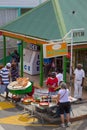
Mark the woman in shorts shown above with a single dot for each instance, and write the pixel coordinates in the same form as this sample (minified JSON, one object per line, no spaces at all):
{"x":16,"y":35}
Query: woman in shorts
{"x":64,"y":104}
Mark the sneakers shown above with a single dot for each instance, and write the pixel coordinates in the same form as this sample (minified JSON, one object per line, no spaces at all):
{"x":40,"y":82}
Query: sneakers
{"x":80,"y":99}
{"x":63,"y":125}
{"x":68,"y":124}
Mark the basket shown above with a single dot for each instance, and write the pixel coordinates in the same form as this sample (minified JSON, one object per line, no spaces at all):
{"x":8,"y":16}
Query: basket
{"x":21,"y":91}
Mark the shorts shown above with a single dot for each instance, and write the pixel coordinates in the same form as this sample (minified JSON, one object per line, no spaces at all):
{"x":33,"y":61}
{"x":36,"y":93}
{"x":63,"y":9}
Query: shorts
{"x":3,"y":88}
{"x":64,"y":107}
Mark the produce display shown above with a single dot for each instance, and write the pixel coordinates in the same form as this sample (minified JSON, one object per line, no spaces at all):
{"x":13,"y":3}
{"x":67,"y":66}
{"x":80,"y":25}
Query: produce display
{"x":19,"y":83}
{"x":27,"y":100}
{"x":44,"y":104}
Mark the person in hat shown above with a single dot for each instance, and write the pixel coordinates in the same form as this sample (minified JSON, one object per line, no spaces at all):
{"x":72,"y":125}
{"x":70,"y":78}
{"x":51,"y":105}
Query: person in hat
{"x":5,"y":77}
{"x":79,"y":76}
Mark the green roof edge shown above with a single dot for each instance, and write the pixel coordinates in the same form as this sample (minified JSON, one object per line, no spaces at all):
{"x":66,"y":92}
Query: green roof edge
{"x":59,"y":17}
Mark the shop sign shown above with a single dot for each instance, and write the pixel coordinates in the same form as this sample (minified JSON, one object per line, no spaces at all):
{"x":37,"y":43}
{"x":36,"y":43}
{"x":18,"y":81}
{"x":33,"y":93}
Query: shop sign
{"x":55,"y":49}
{"x":78,"y":34}
{"x":33,"y":47}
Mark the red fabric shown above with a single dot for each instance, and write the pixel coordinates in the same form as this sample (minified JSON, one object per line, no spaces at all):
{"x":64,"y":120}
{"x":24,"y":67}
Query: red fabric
{"x":68,"y":56}
{"x":31,"y":93}
{"x":50,"y":82}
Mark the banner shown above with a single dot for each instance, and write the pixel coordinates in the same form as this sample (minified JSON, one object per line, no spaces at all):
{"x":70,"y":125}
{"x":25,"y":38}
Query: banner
{"x":55,"y":49}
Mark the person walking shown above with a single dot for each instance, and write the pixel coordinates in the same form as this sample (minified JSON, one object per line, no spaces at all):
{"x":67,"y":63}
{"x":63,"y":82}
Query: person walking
{"x":5,"y":77}
{"x":64,"y":104}
{"x":79,"y":76}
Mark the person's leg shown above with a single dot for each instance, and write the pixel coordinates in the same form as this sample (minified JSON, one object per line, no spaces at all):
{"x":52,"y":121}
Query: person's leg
{"x":68,"y":117}
{"x":62,"y":120}
{"x":80,"y":92}
{"x":67,"y":111}
{"x":61,"y":109}
{"x":7,"y":91}
{"x":76,"y":90}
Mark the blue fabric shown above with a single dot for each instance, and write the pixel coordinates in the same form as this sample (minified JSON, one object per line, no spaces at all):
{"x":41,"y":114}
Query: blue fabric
{"x":2,"y":88}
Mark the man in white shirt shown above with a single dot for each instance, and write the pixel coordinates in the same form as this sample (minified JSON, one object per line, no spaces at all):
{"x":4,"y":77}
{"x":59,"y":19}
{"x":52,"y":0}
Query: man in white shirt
{"x":59,"y":76}
{"x":79,"y":76}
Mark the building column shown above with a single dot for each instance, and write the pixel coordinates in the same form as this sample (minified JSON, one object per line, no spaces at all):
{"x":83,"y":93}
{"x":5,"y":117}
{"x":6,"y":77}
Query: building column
{"x":41,"y":65}
{"x":64,"y":68}
{"x":21,"y":57}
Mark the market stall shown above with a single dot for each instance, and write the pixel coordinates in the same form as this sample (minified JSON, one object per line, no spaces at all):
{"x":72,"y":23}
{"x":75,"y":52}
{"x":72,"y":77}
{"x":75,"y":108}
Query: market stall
{"x":40,"y":107}
{"x":21,"y":86}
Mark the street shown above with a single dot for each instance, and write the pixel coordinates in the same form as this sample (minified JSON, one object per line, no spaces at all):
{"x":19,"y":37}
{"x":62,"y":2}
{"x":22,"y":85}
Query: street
{"x":79,"y":125}
{"x":11,"y":118}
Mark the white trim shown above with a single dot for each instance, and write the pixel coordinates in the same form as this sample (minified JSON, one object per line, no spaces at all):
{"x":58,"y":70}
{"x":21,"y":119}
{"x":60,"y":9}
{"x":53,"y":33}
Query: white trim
{"x":20,"y":3}
{"x":24,"y":36}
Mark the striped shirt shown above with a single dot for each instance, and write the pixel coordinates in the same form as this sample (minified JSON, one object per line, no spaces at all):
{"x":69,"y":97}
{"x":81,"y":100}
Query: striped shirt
{"x":4,"y":73}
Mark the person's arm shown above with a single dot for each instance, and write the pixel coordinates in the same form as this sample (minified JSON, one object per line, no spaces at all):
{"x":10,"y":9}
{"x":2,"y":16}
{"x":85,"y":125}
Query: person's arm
{"x":58,"y":97}
{"x":83,"y":78}
{"x":1,"y":77}
{"x":82,"y":82}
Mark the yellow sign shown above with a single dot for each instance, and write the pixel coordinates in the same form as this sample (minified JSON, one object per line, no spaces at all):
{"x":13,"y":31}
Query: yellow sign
{"x":55,"y":49}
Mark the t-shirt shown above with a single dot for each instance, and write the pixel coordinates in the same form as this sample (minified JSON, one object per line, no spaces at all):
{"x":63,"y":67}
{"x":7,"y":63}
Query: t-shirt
{"x":79,"y":74}
{"x":59,"y":77}
{"x":64,"y":94}
{"x":5,"y":75}
{"x":52,"y":81}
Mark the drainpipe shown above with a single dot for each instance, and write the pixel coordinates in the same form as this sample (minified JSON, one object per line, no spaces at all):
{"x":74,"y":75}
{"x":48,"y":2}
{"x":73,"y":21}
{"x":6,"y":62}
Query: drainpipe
{"x":64,"y":68}
{"x":21,"y":56}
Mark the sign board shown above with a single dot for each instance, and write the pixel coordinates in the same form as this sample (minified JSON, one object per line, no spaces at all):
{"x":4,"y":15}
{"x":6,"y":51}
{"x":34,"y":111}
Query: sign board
{"x":33,"y":47}
{"x":78,"y":34}
{"x":55,"y":49}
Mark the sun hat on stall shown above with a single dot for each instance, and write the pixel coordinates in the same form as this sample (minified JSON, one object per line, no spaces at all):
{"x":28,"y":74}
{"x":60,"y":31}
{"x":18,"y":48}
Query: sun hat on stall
{"x":8,"y":65}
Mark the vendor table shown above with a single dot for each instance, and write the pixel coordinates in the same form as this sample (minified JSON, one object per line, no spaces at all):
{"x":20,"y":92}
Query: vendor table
{"x":32,"y":108}
{"x":51,"y":106}
{"x":22,"y":90}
